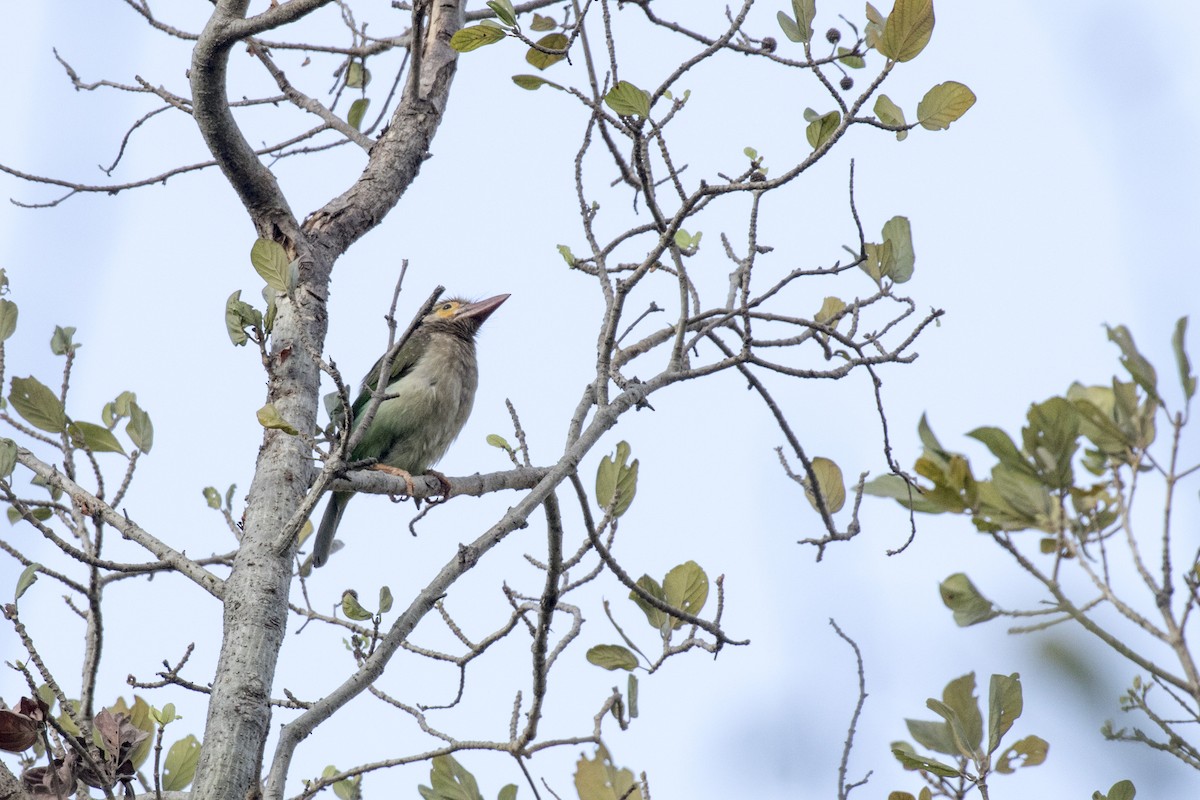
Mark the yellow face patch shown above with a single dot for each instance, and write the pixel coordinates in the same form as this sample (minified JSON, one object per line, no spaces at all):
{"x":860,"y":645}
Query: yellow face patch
{"x":447,"y":309}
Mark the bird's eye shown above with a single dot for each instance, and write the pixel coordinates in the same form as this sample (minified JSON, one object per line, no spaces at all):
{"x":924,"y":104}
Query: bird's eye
{"x":447,"y":306}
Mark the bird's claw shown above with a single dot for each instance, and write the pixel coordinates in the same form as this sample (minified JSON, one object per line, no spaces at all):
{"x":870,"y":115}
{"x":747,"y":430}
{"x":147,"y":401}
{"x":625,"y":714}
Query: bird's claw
{"x":409,"y":488}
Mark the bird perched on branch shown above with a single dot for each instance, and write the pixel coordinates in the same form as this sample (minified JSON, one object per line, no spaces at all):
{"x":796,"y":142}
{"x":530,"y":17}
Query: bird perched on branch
{"x":428,"y":398}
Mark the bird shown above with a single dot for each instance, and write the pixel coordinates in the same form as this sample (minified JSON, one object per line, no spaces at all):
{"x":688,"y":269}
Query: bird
{"x":428,"y":398}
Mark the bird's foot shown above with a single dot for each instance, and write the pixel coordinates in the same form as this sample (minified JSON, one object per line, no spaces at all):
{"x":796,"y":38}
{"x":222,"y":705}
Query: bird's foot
{"x":399,"y":473}
{"x":445,"y":484}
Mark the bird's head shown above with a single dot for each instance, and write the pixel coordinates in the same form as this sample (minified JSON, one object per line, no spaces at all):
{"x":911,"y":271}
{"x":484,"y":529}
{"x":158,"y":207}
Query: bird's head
{"x":461,"y":317}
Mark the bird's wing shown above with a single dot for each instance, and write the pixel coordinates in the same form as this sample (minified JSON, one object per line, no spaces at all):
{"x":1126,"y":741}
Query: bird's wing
{"x":402,"y":364}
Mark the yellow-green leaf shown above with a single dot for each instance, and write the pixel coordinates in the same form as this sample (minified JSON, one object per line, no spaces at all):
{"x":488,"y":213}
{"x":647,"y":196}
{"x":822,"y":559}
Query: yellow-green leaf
{"x":357,"y":76}
{"x":890,"y":114}
{"x":358,"y":109}
{"x":139,"y":428}
{"x":943,"y":104}
{"x":180,"y":766}
{"x":600,"y":779}
{"x":8,"y":457}
{"x":8,"y":319}
{"x":898,"y":233}
{"x":829,"y":481}
{"x":850,"y":59}
{"x":686,"y":588}
{"x":612,"y":657}
{"x":873,"y":32}
{"x":37,"y":405}
{"x":533,"y":82}
{"x":551,"y":41}
{"x":541,"y":23}
{"x":27,"y":578}
{"x":830,"y":310}
{"x":907,"y":29}
{"x":628,"y":100}
{"x":805,"y":11}
{"x":1028,"y":752}
{"x":352,"y":608}
{"x":271,"y":262}
{"x":467,"y":39}
{"x":269,"y":417}
{"x":96,"y":438}
{"x":820,"y":129}
{"x":969,"y":606}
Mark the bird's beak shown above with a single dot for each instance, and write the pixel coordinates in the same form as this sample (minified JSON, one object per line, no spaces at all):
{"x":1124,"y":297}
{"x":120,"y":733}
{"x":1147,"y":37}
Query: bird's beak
{"x":481,"y":310}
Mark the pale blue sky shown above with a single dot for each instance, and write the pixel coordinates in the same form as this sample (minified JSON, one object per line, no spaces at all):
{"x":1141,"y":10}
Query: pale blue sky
{"x":1065,"y":199}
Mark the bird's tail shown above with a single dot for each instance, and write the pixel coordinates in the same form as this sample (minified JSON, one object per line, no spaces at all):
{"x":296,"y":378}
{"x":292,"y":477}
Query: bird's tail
{"x":329,"y":525}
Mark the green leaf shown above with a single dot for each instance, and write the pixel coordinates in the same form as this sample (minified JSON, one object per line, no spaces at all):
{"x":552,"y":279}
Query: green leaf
{"x":551,"y":41}
{"x":509,"y":790}
{"x":450,"y":781}
{"x":820,"y":129}
{"x":897,"y":488}
{"x":269,"y":417}
{"x":357,"y":76}
{"x":8,"y":319}
{"x":912,"y":761}
{"x":541,"y":23}
{"x":873,"y":32}
{"x":62,"y":341}
{"x":8,"y":457}
{"x":659,"y":620}
{"x":890,"y":114}
{"x":616,"y":483}
{"x":270,"y":261}
{"x":805,"y":11}
{"x":1004,"y":707}
{"x":533,"y":83}
{"x":943,"y":104}
{"x":907,"y":29}
{"x":1028,"y":752}
{"x":967,"y":723}
{"x":140,"y":429}
{"x":37,"y":405}
{"x":240,"y":315}
{"x":830,"y":483}
{"x":968,"y":605}
{"x":1002,"y":447}
{"x":385,"y":599}
{"x":898,"y":232}
{"x":212,"y":497}
{"x":934,"y":735}
{"x":40,"y":513}
{"x":352,"y":608}
{"x":1121,"y":790}
{"x":789,"y":27}
{"x":612,"y":657}
{"x":849,"y":59}
{"x":180,"y":766}
{"x":567,"y":255}
{"x":686,"y":587}
{"x":1133,"y":361}
{"x":358,"y":109}
{"x":467,"y":39}
{"x":27,"y":578}
{"x":495,"y":440}
{"x":96,"y":438}
{"x":830,"y":311}
{"x":686,"y":241}
{"x":628,"y":100}
{"x":1186,"y":378}
{"x":600,"y":779}
{"x":504,"y":11}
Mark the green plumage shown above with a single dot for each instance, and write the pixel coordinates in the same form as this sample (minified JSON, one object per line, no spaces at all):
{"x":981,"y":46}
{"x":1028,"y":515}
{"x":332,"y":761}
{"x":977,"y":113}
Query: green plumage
{"x":429,"y":397}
